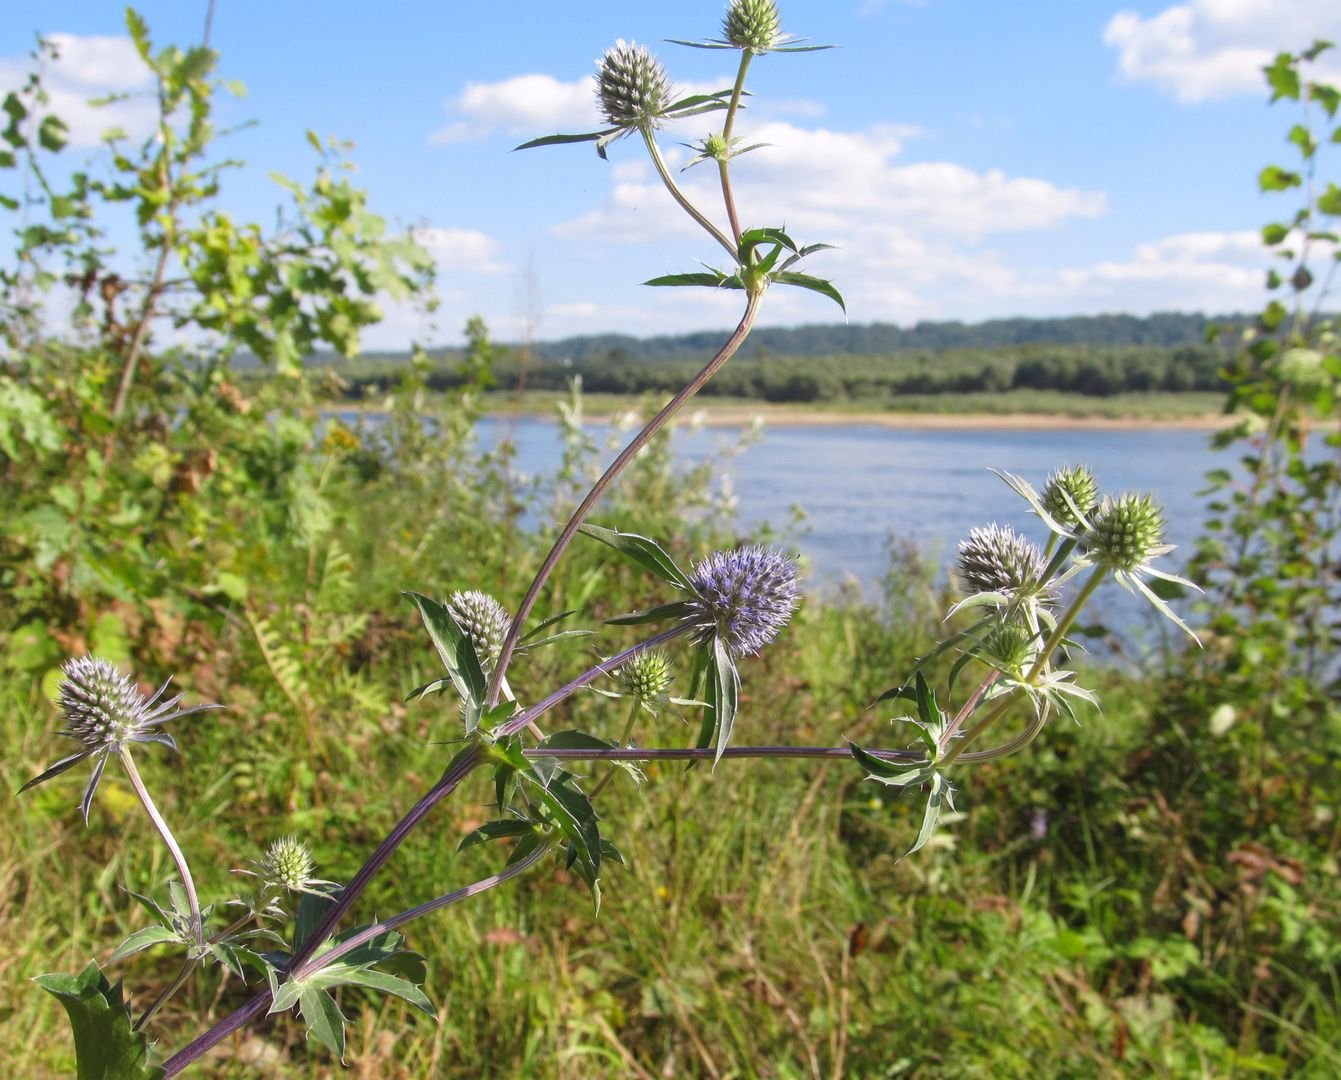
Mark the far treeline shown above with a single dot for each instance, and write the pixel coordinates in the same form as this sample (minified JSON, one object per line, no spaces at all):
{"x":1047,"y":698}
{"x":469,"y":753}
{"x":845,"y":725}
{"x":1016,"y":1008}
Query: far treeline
{"x":1096,"y":356}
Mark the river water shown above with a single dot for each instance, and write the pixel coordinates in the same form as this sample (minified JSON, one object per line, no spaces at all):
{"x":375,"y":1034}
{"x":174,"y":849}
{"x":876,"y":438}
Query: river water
{"x":859,"y":485}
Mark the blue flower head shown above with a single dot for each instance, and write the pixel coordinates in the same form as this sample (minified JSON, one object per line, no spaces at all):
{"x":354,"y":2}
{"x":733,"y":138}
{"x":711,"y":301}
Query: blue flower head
{"x":745,"y":597}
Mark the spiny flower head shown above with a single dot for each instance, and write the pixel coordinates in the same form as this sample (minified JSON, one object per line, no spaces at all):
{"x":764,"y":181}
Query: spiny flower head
{"x":1126,"y":532}
{"x":1075,"y":483}
{"x":288,"y":866}
{"x":631,"y":87}
{"x":647,"y":676}
{"x":104,"y":710}
{"x":752,"y":24}
{"x":484,"y":619}
{"x":745,"y":597}
{"x":997,"y":559}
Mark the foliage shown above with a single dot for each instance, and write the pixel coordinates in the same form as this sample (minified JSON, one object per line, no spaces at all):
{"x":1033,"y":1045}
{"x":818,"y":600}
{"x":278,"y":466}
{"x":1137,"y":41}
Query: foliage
{"x":196,"y":522}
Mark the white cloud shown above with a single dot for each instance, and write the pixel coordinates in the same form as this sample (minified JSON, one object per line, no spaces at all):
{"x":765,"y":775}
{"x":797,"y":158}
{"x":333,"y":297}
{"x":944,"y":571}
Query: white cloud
{"x":1211,"y":272}
{"x":91,"y":67}
{"x":533,"y":104}
{"x":1209,"y":49}
{"x":466,"y":251}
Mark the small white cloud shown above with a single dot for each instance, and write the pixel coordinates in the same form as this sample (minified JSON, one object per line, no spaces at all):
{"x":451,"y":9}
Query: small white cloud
{"x":1209,"y":49}
{"x":1206,"y":271}
{"x":533,"y":104}
{"x":466,"y":251}
{"x":90,"y":67}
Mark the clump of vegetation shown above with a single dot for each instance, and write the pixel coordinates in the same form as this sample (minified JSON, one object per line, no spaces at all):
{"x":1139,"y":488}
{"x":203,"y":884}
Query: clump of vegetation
{"x":1154,"y":891}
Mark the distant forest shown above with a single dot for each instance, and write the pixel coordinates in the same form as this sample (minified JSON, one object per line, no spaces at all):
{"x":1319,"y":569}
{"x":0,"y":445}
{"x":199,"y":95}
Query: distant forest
{"x":1095,"y":355}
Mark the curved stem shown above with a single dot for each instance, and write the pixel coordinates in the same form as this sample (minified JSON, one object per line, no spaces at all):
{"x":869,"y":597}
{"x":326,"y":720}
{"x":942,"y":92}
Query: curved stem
{"x":724,"y":165}
{"x":605,"y":667}
{"x":634,"y":710}
{"x":197,"y":928}
{"x":626,"y":455}
{"x":316,"y":963}
{"x":462,"y":767}
{"x":654,"y":753}
{"x":689,"y":208}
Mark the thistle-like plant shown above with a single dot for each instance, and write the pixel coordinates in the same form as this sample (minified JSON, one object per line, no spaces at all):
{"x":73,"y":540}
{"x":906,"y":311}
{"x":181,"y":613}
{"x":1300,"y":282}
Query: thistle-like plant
{"x":728,"y":607}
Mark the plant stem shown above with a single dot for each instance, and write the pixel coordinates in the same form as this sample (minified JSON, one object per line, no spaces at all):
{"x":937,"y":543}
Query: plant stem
{"x":1040,"y":663}
{"x":605,"y":667}
{"x":197,"y":928}
{"x":626,"y":455}
{"x":462,"y":767}
{"x":634,"y":710}
{"x":689,"y":208}
{"x":320,"y":961}
{"x":654,"y":753}
{"x":724,"y":165}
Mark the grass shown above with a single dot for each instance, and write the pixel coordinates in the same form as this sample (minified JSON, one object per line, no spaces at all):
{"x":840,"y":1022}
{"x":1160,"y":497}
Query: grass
{"x":1111,"y":904}
{"x":765,"y":926}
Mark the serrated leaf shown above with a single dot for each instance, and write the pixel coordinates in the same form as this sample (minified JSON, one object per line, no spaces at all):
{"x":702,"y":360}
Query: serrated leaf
{"x":814,"y":284}
{"x":496,"y":830}
{"x":143,"y":939}
{"x":386,"y":983}
{"x":879,"y":767}
{"x":572,"y":740}
{"x":714,"y":279}
{"x":324,"y":1020}
{"x":646,"y":553}
{"x":931,"y":816}
{"x":723,"y":694}
{"x":677,"y":610}
{"x":311,"y":910}
{"x":556,"y":140}
{"x":106,"y":1046}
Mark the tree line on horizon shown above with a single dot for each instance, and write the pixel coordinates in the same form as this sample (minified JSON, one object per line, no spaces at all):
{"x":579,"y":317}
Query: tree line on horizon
{"x":1097,"y":356}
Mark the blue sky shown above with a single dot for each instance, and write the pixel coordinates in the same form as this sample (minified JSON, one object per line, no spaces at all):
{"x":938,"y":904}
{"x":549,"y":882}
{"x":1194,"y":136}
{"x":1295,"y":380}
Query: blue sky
{"x":971,"y":160}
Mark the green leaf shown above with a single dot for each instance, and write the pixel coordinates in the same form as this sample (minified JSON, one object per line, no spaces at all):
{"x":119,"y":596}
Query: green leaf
{"x":1283,"y":77}
{"x":646,"y":553}
{"x":713,"y":279}
{"x":938,"y":796}
{"x":556,"y":140}
{"x":677,"y":610}
{"x":143,"y":939}
{"x":52,"y":133}
{"x":1274,"y":234}
{"x":814,"y":284}
{"x":106,"y":1047}
{"x":1329,"y":202}
{"x":878,"y":767}
{"x":723,"y":694}
{"x":572,"y":740}
{"x":458,"y":656}
{"x":311,"y":910}
{"x":1274,"y":178}
{"x":387,"y":983}
{"x":496,"y":830}
{"x":324,"y":1020}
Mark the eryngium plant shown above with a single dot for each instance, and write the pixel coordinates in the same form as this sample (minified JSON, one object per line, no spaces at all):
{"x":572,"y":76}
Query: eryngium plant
{"x":722,"y":612}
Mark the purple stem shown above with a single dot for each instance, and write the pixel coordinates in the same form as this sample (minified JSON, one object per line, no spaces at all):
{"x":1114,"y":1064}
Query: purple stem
{"x":607,"y":478}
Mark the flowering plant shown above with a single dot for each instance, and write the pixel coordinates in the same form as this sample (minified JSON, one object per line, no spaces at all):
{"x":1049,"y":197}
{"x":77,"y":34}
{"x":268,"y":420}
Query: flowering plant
{"x":1014,"y":625}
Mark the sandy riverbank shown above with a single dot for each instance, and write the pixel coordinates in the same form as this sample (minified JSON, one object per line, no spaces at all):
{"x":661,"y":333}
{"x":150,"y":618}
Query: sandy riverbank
{"x":783,"y":416}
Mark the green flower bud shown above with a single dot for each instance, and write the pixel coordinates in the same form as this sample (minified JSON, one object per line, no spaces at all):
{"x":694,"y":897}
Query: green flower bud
{"x":484,"y":619}
{"x":752,"y":24}
{"x":1127,"y":532}
{"x":631,"y":87}
{"x":288,"y":866}
{"x":647,"y":676}
{"x":1009,"y":647}
{"x":1075,"y":482}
